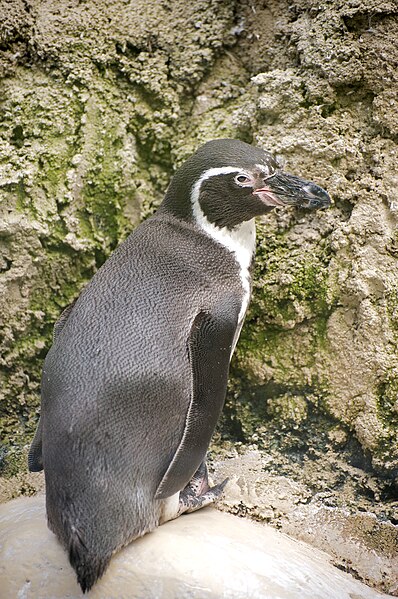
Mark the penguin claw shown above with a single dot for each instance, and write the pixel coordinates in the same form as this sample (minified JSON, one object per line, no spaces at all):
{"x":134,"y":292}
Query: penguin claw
{"x":198,"y":493}
{"x":199,"y":483}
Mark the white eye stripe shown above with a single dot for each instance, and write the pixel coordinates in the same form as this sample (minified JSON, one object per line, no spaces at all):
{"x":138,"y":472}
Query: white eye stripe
{"x":213,"y":172}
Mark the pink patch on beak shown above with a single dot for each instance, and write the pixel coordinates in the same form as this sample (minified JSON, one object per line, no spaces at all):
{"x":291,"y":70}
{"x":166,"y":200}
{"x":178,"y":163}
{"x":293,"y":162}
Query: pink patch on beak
{"x":267,"y":197}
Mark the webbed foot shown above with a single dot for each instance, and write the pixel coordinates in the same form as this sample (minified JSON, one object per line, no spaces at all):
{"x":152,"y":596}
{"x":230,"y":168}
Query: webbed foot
{"x":198,"y":493}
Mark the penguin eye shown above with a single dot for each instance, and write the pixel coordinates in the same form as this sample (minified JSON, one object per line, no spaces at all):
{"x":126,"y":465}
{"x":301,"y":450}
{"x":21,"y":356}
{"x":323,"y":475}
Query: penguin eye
{"x":242,"y":179}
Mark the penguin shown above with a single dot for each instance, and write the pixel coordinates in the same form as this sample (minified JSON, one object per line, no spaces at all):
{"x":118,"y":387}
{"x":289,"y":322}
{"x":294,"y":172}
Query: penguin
{"x":136,"y":378}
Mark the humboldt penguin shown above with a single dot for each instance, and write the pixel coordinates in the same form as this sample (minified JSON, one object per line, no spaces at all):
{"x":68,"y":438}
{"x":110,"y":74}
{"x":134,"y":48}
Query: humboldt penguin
{"x":135,"y":380}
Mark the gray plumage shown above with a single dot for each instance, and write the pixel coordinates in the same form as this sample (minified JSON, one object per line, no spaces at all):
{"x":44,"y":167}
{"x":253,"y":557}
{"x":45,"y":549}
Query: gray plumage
{"x":136,"y":377}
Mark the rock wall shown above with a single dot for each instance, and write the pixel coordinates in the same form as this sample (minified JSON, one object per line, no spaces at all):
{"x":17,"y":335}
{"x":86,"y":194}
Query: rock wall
{"x":100,"y":101}
{"x":323,"y":330}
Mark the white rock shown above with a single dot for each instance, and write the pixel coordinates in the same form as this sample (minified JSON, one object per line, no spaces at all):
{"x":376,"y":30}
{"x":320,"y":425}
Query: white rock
{"x":203,"y":555}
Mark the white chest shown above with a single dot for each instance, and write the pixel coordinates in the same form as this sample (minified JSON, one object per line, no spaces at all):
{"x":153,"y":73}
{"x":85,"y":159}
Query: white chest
{"x":241,"y":242}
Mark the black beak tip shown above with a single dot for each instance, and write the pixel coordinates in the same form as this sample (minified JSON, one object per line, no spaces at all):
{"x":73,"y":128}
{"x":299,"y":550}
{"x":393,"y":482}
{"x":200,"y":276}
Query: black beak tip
{"x":317,"y":197}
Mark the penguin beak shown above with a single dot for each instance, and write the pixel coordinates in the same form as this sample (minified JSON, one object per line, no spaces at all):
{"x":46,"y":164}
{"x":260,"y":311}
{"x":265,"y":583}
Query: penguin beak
{"x":282,"y":189}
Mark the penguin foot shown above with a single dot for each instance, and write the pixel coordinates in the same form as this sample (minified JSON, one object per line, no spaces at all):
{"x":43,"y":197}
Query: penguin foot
{"x":198,"y":493}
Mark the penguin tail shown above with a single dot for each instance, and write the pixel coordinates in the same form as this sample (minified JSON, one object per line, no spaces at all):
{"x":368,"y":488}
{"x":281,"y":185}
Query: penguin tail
{"x":88,"y":567}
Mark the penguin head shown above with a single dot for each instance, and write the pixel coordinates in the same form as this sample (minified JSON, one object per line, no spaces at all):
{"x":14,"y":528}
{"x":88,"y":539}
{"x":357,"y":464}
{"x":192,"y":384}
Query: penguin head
{"x":228,"y":182}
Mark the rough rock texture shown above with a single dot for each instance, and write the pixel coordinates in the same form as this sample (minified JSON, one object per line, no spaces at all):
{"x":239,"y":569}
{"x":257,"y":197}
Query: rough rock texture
{"x":100,"y":101}
{"x":322,"y":334}
{"x":205,"y":555}
{"x":306,"y":503}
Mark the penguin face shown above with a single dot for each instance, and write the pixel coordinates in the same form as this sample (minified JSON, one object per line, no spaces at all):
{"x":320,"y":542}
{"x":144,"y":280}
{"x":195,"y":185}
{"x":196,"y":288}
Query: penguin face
{"x":245,"y":193}
{"x":227,"y":199}
{"x":229,"y":182}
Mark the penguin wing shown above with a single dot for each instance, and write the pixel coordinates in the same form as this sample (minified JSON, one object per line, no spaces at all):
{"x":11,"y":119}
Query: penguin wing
{"x":210,"y":346}
{"x":35,"y":457}
{"x":59,"y":325}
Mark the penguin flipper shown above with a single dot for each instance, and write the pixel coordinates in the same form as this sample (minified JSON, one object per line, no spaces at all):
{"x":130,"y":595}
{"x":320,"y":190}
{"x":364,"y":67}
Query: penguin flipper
{"x":59,"y":325}
{"x":209,"y":346}
{"x":35,"y":457}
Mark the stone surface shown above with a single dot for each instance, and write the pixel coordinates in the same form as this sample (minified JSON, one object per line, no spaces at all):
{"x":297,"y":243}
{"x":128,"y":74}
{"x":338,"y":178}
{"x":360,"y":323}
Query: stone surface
{"x":340,"y":519}
{"x":202,"y":555}
{"x":357,"y":536}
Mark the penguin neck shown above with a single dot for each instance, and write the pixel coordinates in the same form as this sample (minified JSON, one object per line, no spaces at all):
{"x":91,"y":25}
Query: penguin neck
{"x":239,"y":240}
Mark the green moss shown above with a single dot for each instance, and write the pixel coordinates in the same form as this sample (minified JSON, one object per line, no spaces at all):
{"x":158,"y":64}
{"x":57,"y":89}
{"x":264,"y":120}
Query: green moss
{"x":60,"y":280}
{"x":387,"y":401}
{"x":385,"y":454}
{"x":275,"y":369}
{"x":277,"y":416}
{"x":392,"y":307}
{"x":289,"y":409}
{"x":102,"y":197}
{"x":13,"y":460}
{"x":290,"y":284}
